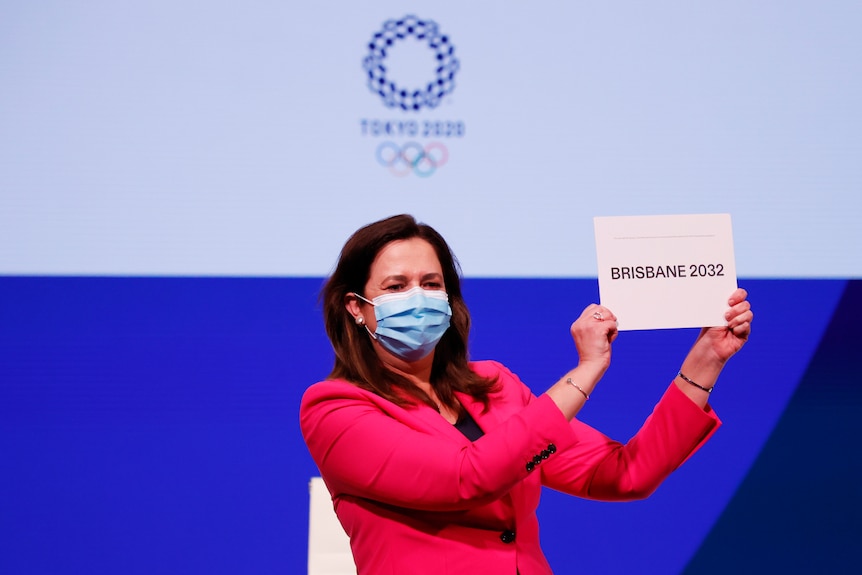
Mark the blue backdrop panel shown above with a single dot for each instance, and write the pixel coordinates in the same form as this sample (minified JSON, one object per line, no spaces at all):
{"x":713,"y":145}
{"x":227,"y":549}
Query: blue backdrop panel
{"x":799,"y":510}
{"x":150,"y":424}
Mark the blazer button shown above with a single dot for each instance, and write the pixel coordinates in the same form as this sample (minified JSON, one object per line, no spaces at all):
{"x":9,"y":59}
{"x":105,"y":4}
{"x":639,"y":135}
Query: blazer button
{"x":552,"y":448}
{"x":530,"y":466}
{"x":507,"y":537}
{"x":537,"y":459}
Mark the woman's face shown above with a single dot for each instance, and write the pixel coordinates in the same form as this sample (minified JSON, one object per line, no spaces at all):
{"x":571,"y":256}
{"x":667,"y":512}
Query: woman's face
{"x":399,"y":266}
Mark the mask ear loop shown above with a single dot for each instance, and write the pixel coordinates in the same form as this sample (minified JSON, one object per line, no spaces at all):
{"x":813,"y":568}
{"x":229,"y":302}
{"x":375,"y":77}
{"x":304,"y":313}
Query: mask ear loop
{"x":360,"y":320}
{"x":368,"y":301}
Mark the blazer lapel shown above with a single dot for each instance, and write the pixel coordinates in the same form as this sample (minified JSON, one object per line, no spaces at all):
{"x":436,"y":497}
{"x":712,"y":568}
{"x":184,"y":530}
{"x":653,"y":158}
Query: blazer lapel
{"x":429,"y":418}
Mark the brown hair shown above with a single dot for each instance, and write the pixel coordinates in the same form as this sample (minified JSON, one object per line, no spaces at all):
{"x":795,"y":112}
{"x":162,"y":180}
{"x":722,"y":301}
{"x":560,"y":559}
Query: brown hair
{"x":355,"y":358}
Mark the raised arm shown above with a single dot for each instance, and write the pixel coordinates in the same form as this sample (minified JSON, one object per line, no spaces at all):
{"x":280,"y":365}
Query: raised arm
{"x":601,"y":468}
{"x":713,"y":347}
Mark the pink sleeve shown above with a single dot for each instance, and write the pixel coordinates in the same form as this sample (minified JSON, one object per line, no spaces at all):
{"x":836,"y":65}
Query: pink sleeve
{"x":600,"y":468}
{"x":367,"y":451}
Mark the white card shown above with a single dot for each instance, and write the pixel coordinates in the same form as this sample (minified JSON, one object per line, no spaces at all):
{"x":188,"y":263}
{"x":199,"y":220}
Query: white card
{"x":660,"y":272}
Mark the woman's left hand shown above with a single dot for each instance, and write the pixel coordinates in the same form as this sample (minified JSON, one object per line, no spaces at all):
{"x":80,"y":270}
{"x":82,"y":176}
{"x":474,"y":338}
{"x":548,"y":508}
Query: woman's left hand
{"x":725,"y":341}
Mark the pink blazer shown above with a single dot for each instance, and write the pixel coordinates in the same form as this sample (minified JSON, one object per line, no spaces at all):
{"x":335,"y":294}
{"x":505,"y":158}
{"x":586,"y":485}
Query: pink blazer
{"x":417,"y":497}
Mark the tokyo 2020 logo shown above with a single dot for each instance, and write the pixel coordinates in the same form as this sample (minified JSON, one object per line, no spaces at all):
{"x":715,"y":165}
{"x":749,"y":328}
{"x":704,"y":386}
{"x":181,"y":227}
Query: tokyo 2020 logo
{"x":404,"y":97}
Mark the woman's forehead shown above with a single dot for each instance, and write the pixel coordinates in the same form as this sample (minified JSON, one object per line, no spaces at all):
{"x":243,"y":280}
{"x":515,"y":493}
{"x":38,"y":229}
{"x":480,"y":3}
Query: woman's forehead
{"x":413,"y":255}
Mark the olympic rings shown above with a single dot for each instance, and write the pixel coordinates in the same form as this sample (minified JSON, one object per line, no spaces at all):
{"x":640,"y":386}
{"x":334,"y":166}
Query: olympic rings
{"x":412,"y":157}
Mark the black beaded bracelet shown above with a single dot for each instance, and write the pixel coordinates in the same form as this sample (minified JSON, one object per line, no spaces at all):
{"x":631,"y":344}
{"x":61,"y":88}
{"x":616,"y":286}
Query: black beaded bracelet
{"x":687,"y":380}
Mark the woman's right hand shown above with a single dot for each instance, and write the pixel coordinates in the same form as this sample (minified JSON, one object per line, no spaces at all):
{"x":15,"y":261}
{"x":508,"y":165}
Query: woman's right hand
{"x":593,"y":333}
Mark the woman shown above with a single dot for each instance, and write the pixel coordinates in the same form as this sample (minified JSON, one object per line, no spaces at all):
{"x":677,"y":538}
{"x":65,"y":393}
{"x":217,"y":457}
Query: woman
{"x":435,"y":464}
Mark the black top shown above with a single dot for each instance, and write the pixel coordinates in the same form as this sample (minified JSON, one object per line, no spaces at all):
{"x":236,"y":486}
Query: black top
{"x":468,"y":426}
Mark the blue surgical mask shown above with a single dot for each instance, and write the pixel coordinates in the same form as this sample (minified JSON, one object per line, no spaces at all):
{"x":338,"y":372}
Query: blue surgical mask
{"x":410,"y":323}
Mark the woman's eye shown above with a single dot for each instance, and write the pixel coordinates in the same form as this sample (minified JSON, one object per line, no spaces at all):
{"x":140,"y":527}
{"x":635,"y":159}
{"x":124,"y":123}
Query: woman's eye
{"x":393,"y":287}
{"x":433,"y":285}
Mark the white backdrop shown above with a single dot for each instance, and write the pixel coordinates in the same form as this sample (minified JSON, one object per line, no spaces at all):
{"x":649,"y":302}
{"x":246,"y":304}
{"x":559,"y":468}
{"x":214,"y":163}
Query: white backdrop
{"x":224,"y":138}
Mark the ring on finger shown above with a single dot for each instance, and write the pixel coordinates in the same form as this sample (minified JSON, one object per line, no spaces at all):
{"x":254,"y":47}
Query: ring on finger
{"x":598,"y":316}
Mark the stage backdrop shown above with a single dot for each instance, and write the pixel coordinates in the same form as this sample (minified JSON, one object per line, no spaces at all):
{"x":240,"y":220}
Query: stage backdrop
{"x":177,"y":178}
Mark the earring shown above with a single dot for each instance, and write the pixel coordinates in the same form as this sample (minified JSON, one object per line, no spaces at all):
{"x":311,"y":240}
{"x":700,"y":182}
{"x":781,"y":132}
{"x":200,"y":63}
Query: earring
{"x":360,"y":320}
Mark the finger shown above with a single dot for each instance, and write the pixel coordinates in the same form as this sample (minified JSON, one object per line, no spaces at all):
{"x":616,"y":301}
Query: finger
{"x":737,"y":310}
{"x":739,"y":315}
{"x":737,"y":296}
{"x":742,"y":331}
{"x":596,"y":319}
{"x":740,"y":320}
{"x":590,"y":311}
{"x":601,"y":313}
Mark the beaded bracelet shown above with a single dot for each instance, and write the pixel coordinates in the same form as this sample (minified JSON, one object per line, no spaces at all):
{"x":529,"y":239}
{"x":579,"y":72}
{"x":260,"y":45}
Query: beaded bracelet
{"x":687,"y":380}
